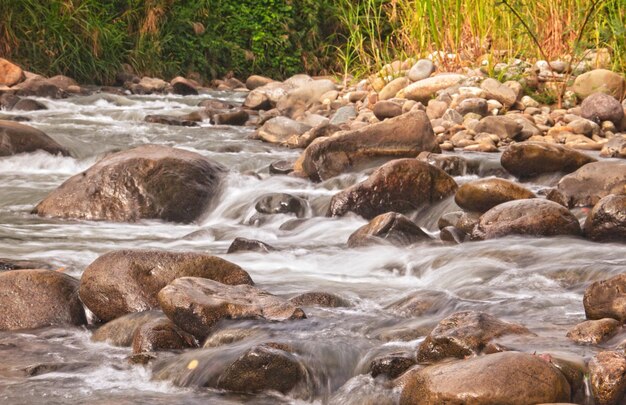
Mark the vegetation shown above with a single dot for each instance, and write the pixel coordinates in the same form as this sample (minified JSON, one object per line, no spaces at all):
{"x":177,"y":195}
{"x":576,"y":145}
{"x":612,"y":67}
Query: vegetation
{"x":91,"y":39}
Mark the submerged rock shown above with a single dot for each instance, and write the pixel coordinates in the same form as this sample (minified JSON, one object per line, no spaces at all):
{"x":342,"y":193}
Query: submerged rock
{"x":529,"y":159}
{"x":19,"y":138}
{"x":606,"y":222}
{"x":483,"y":194}
{"x":392,"y":228}
{"x":592,"y":182}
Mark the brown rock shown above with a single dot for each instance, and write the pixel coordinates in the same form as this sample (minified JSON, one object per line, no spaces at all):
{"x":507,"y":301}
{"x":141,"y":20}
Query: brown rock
{"x":281,"y":129}
{"x":161,"y":334}
{"x":530,"y":159}
{"x":606,"y":222}
{"x":594,"y":181}
{"x":249,"y":245}
{"x":420,"y":303}
{"x":594,"y":332}
{"x":606,"y":299}
{"x":10,"y":73}
{"x":392,"y":88}
{"x":386,"y":109}
{"x":39,"y":87}
{"x":184,"y":87}
{"x":483,"y":194}
{"x":607,"y":375}
{"x":453,"y":165}
{"x":27,"y":104}
{"x":63,"y":82}
{"x":319,"y":299}
{"x":33,"y":299}
{"x":170,"y":120}
{"x":392,"y":365}
{"x":281,"y":203}
{"x":19,"y":264}
{"x":126,"y":281}
{"x":120,"y":331}
{"x":19,"y":138}
{"x":505,"y":127}
{"x":256,"y":81}
{"x":392,"y":228}
{"x":238,"y":118}
{"x":600,"y":80}
{"x":600,"y":107}
{"x":425,"y":89}
{"x":615,"y":147}
{"x":498,"y":91}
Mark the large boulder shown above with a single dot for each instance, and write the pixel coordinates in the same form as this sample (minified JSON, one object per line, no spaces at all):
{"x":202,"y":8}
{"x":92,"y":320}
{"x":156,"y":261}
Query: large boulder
{"x":606,"y":222}
{"x":10,"y":73}
{"x":424,"y":90}
{"x":19,"y":138}
{"x":529,"y":159}
{"x":592,"y":182}
{"x":483,"y":194}
{"x":392,"y":228}
{"x":532,"y":217}
{"x":404,"y":136}
{"x":36,"y":298}
{"x":508,"y":378}
{"x":147,"y":182}
{"x":607,"y":377}
{"x":125,"y":281}
{"x":463,"y":334}
{"x":600,"y":80}
{"x":600,"y":107}
{"x":401,"y":185}
{"x":606,"y":299}
{"x":197,"y":304}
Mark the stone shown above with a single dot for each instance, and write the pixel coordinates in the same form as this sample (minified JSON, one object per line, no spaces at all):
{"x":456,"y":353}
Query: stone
{"x":465,"y":221}
{"x":279,"y":129}
{"x":606,"y":222}
{"x":120,"y":331}
{"x":530,"y":159}
{"x":453,"y":165}
{"x":422,"y":69}
{"x":197,"y":304}
{"x":32,"y":299}
{"x":425,"y":89}
{"x":19,"y":138}
{"x":615,"y":147}
{"x":319,"y":299}
{"x":309,"y":136}
{"x":237,"y":118}
{"x":281,"y":167}
{"x":8,"y":100}
{"x":10,"y":73}
{"x":473,"y":105}
{"x":126,"y":281}
{"x":169,"y":120}
{"x":303,"y":95}
{"x":161,"y":334}
{"x":420,"y":303}
{"x":387,"y":109}
{"x":606,"y":299}
{"x":257,"y":100}
{"x":392,"y":228}
{"x":149,"y":85}
{"x":249,"y":245}
{"x":393,"y":87}
{"x":147,"y":182}
{"x":404,"y":136}
{"x":27,"y":104}
{"x":392,"y":365}
{"x":343,"y":115}
{"x":281,"y":203}
{"x":184,"y":87}
{"x":600,"y":81}
{"x":592,"y":182}
{"x":401,"y":185}
{"x":256,"y":81}
{"x":452,"y":234}
{"x":506,"y":128}
{"x":498,"y":91}
{"x":600,"y":107}
{"x":532,"y":217}
{"x":607,"y":377}
{"x":463,"y":334}
{"x":436,"y":108}
{"x":508,"y":378}
{"x":38,"y":87}
{"x":483,"y":194}
{"x":63,"y":82}
{"x":19,"y":264}
{"x":595,"y":331}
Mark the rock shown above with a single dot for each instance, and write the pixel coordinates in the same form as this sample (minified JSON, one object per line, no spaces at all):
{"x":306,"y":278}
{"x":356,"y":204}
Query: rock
{"x":392,"y":228}
{"x":452,"y":234}
{"x":63,"y":82}
{"x":303,"y":95}
{"x":280,"y":129}
{"x":436,"y":108}
{"x":197,"y":304}
{"x":592,"y":182}
{"x":149,"y":85}
{"x":419,"y":303}
{"x":33,"y":299}
{"x":533,"y":217}
{"x":422,"y":69}
{"x":607,"y":377}
{"x":38,"y":87}
{"x":256,"y":81}
{"x":27,"y":104}
{"x":600,"y":81}
{"x":509,"y":378}
{"x":281,"y":203}
{"x":10,"y":73}
{"x":463,"y":334}
{"x":17,"y":264}
{"x":239,"y":117}
{"x":503,"y":126}
{"x":404,"y":136}
{"x":473,"y":105}
{"x":465,"y":221}
{"x":120,"y":331}
{"x":161,"y":334}
{"x":387,"y":109}
{"x":8,"y":100}
{"x":343,"y":115}
{"x":257,"y":100}
{"x":401,"y":185}
{"x":594,"y":332}
{"x":425,"y":89}
{"x":600,"y":107}
{"x":126,"y":281}
{"x":606,"y":299}
{"x":169,"y":120}
{"x":483,"y":194}
{"x":184,"y":87}
{"x":530,"y":159}
{"x":393,"y":87}
{"x":498,"y":91}
{"x":249,"y":245}
{"x":309,"y":136}
{"x":615,"y":147}
{"x":319,"y":299}
{"x":453,"y":165}
{"x":281,"y":167}
{"x":606,"y":222}
{"x":19,"y":138}
{"x":392,"y":365}
{"x":147,"y":182}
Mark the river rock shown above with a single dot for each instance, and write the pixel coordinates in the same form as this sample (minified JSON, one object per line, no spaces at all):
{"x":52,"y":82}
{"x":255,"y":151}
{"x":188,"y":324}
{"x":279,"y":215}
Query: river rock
{"x":387,"y":109}
{"x":38,"y":87}
{"x":249,"y":245}
{"x":393,"y":87}
{"x":19,"y":264}
{"x":125,"y":281}
{"x":184,"y":87}
{"x":595,"y":331}
{"x":463,"y":334}
{"x":404,"y":136}
{"x":401,"y":185}
{"x":303,"y":95}
{"x":425,"y":89}
{"x":483,"y":194}
{"x":147,"y":182}
{"x":170,"y":120}
{"x":532,"y":217}
{"x":343,"y":115}
{"x":606,"y":299}
{"x":506,"y":128}
{"x":392,"y":365}
{"x":281,"y":203}
{"x":10,"y":73}
{"x":498,"y":91}
{"x":592,"y":182}
{"x":600,"y":80}
{"x":600,"y":107}
{"x":606,"y":222}
{"x":453,"y":165}
{"x":509,"y":378}
{"x":280,"y":129}
{"x":473,"y":105}
{"x":419,"y":303}
{"x":615,"y":147}
{"x":28,"y":104}
{"x":392,"y":228}
{"x":256,"y":81}
{"x":149,"y":85}
{"x":421,"y":70}
{"x":319,"y":299}
{"x":239,"y":117}
{"x":63,"y":82}
{"x":161,"y":334}
{"x":19,"y":138}
{"x":33,"y":299}
{"x":529,"y":159}
{"x":607,"y":377}
{"x":120,"y":331}
{"x":197,"y":304}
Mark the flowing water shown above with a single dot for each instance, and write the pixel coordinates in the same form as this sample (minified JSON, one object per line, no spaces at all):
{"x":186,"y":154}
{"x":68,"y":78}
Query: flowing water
{"x":536,"y":282}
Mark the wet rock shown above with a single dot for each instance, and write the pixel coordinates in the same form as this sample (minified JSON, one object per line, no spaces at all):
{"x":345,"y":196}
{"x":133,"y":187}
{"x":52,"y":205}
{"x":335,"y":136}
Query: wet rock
{"x":169,"y":120}
{"x":465,"y":221}
{"x":10,"y":73}
{"x":508,"y":378}
{"x":256,"y":81}
{"x":38,"y":87}
{"x":393,"y":87}
{"x":120,"y":331}
{"x":238,"y":118}
{"x":147,"y":182}
{"x":281,"y":203}
{"x":453,"y":165}
{"x":18,"y":264}
{"x":425,"y":89}
{"x":506,"y":128}
{"x":473,"y":105}
{"x":19,"y":138}
{"x":533,"y":217}
{"x":125,"y":281}
{"x":452,"y":234}
{"x":594,"y":332}
{"x":249,"y":245}
{"x":600,"y":107}
{"x":27,"y":104}
{"x":606,"y":222}
{"x":498,"y":91}
{"x":463,"y":334}
{"x":600,"y":80}
{"x":615,"y":147}
{"x":387,"y":109}
{"x":483,"y":194}
{"x":607,"y":376}
{"x":404,"y":136}
{"x":161,"y":334}
{"x":606,"y":299}
{"x":319,"y":299}
{"x":280,"y":129}
{"x":420,"y":303}
{"x":401,"y":185}
{"x":422,"y":69}
{"x":392,"y":228}
{"x":184,"y":87}
{"x":197,"y":304}
{"x":531,"y":159}
{"x":592,"y":182}
{"x":33,"y":299}
{"x":281,"y":167}
{"x":392,"y":365}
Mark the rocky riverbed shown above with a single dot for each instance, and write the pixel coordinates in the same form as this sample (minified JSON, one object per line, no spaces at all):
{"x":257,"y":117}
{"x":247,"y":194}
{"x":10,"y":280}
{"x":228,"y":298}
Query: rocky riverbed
{"x":416,"y":238}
